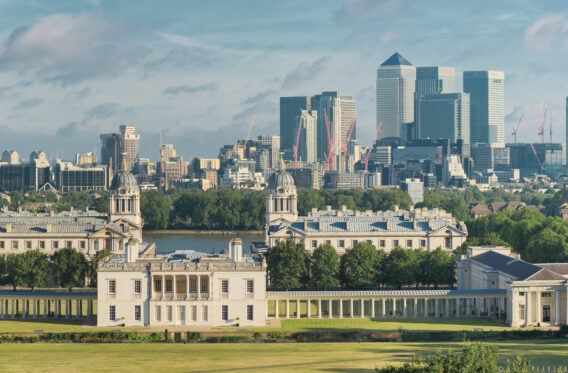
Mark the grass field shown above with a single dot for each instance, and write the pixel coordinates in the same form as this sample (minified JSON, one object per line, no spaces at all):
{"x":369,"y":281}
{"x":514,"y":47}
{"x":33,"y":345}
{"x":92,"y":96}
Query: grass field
{"x":316,"y":357}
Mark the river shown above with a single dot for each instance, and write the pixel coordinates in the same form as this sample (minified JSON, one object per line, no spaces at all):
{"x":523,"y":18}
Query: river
{"x":166,"y":243}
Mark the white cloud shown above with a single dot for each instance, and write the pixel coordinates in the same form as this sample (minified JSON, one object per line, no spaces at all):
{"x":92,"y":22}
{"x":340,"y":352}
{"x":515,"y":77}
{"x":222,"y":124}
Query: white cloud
{"x":546,"y":31}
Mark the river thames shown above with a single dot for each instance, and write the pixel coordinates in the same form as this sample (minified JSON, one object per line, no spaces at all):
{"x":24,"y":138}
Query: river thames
{"x":166,"y":243}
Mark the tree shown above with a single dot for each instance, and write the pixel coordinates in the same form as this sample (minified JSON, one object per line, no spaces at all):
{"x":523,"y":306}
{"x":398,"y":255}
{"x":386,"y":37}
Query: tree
{"x":287,"y":265}
{"x":359,"y":267}
{"x":28,"y":269}
{"x":324,"y":267}
{"x":94,"y":265}
{"x":155,"y":209}
{"x":438,"y":267}
{"x":401,"y":267}
{"x":69,"y":267}
{"x":547,"y":247}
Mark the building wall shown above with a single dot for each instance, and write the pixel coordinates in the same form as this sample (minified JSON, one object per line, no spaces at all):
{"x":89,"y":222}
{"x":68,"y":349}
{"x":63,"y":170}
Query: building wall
{"x":395,"y":98}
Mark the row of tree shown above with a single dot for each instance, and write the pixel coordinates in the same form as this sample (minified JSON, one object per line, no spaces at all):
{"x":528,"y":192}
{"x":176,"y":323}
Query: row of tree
{"x":539,"y":239}
{"x":67,"y":267}
{"x":290,"y":266}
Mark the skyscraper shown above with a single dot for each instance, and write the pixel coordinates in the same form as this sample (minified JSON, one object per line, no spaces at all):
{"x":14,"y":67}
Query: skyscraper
{"x":307,"y":149}
{"x":487,"y":105}
{"x":432,"y":80}
{"x":396,"y":84}
{"x":289,"y":109}
{"x":341,"y":112}
{"x":445,"y":116}
{"x":114,"y":145}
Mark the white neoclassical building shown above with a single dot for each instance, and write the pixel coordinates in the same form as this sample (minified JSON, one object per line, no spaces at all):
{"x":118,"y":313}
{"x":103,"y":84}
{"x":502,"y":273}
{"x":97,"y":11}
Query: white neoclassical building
{"x":182,"y":288}
{"x":87,"y":231}
{"x":343,"y":229}
{"x":537,"y":294}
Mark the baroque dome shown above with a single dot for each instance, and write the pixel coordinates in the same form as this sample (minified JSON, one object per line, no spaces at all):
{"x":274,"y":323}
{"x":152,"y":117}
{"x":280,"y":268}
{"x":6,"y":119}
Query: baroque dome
{"x":282,"y":179}
{"x":123,"y":179}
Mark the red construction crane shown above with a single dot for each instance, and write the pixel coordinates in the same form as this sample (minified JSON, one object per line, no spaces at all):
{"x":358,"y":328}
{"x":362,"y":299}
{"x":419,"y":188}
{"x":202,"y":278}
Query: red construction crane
{"x":365,"y":157}
{"x":550,"y":120}
{"x":537,"y":159}
{"x":295,"y":147}
{"x":516,"y":128}
{"x":330,"y":148}
{"x":344,"y":148}
{"x":541,"y":128}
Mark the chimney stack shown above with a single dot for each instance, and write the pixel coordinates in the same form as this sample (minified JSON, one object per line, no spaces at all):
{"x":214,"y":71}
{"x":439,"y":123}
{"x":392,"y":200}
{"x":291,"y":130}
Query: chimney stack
{"x":236,"y":250}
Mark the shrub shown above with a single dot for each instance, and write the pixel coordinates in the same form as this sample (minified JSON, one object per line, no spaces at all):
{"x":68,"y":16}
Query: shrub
{"x":177,"y":337}
{"x":193,"y":336}
{"x":228,"y":339}
{"x":257,"y":337}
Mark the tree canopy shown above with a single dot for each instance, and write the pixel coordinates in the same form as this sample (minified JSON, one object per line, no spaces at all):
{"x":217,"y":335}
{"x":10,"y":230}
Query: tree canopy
{"x":287,"y":265}
{"x":69,"y":267}
{"x":324,"y":267}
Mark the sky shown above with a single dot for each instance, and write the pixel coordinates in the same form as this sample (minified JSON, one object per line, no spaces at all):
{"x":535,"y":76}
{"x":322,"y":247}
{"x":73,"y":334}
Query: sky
{"x":199,"y":70}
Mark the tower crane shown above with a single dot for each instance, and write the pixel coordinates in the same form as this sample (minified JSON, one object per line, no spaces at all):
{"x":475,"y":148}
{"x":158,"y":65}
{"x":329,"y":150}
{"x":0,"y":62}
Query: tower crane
{"x":365,"y":156}
{"x":541,"y":128}
{"x":516,"y":128}
{"x":537,"y":159}
{"x":330,"y":147}
{"x":344,"y":148}
{"x":295,"y":147}
{"x":248,"y":134}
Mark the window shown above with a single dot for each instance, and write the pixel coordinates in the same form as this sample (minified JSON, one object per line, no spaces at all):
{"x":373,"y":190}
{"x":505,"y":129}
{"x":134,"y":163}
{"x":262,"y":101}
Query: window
{"x":224,"y":286}
{"x":341,"y":243}
{"x":169,"y":313}
{"x":68,"y":244}
{"x":546,"y":294}
{"x":28,"y":244}
{"x":137,"y":286}
{"x":82,"y":245}
{"x":314,"y":243}
{"x":181,"y":313}
{"x":249,"y":313}
{"x":546,"y":313}
{"x":423,"y":243}
{"x":328,"y":242}
{"x":250,"y":286}
{"x":55,"y":244}
{"x":158,"y":285}
{"x":42,"y":244}
{"x":395,"y":243}
{"x":169,"y":286}
{"x":1,"y":244}
{"x":14,"y":244}
{"x":193,"y":313}
{"x":112,"y":286}
{"x":193,"y":285}
{"x":408,"y":243}
{"x":382,"y":243}
{"x":448,"y":242}
{"x":112,"y":313}
{"x":137,"y":313}
{"x":355,"y":242}
{"x":205,"y":313}
{"x":225,"y":313}
{"x":158,"y":313}
{"x":521,"y":311}
{"x":521,"y":293}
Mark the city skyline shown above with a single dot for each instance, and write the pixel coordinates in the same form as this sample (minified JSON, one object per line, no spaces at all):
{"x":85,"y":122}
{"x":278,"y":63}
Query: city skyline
{"x":69,"y":72}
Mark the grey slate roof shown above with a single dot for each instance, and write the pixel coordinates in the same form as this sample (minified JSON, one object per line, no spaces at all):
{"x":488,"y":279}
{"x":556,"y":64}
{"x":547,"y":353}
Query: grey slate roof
{"x":515,"y":267}
{"x":384,"y":293}
{"x":67,"y":222}
{"x":396,"y":60}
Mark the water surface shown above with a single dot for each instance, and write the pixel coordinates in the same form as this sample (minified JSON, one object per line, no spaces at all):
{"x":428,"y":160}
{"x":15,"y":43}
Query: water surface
{"x":167,"y":243}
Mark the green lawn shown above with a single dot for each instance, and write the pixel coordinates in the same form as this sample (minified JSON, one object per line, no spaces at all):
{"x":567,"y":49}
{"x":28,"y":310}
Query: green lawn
{"x":316,"y":357}
{"x":50,"y":326}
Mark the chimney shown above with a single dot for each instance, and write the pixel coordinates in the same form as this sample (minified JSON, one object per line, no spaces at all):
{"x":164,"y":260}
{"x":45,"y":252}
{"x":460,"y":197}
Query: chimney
{"x":131,"y":250}
{"x":8,"y":227}
{"x":48,"y":228}
{"x":236,"y":250}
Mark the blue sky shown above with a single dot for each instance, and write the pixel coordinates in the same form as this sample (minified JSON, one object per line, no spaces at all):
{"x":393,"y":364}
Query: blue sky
{"x":70,"y":70}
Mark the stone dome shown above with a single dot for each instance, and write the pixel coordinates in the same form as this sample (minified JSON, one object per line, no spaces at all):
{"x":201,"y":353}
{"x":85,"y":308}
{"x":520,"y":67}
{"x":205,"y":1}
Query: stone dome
{"x":123,"y":180}
{"x":282,"y":179}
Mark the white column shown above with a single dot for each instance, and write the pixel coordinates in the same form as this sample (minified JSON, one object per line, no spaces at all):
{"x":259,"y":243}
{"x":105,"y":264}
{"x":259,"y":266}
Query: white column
{"x":319,"y":308}
{"x":68,"y":308}
{"x":383,"y":307}
{"x":351,"y":308}
{"x":362,"y":310}
{"x":372,"y":304}
{"x":468,"y":306}
{"x":538,"y":310}
{"x":436,"y":311}
{"x":425,"y":310}
{"x":557,"y":307}
{"x":187,"y":291}
{"x":447,"y":307}
{"x":340,"y":308}
{"x":393,"y":307}
{"x":297,"y":308}
{"x":527,"y":308}
{"x":57,"y":308}
{"x":330,"y":309}
{"x":287,"y":308}
{"x":174,"y":290}
{"x":415,"y":307}
{"x":478,"y":302}
{"x":275,"y":308}
{"x":198,"y":287}
{"x":35,"y":308}
{"x":163,"y":286}
{"x":404,"y":307}
{"x":13,"y":310}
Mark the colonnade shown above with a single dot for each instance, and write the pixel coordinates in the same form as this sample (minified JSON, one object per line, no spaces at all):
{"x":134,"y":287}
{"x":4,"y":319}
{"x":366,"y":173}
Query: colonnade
{"x":18,"y":306}
{"x":181,"y":290}
{"x":352,"y":305}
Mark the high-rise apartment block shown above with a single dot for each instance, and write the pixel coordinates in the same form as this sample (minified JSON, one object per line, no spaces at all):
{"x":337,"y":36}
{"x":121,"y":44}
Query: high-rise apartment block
{"x":396,"y":85}
{"x":114,"y":145}
{"x":446,"y":116}
{"x":487,"y":105}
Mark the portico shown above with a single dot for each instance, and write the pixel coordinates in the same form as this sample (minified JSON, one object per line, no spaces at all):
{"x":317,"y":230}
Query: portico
{"x":47,"y":304}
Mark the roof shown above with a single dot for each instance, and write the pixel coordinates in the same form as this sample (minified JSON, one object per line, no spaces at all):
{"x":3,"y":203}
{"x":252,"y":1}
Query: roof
{"x":560,"y":268}
{"x":515,"y":267}
{"x":393,"y":293}
{"x":396,"y":60}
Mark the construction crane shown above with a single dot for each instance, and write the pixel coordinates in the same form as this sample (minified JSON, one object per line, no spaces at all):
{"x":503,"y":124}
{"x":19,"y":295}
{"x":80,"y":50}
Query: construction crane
{"x":330,"y":146}
{"x":164,"y":168}
{"x":550,"y":129}
{"x":295,"y":147}
{"x":541,"y":128}
{"x":344,"y":148}
{"x":248,"y":134}
{"x":365,"y":156}
{"x":537,"y":159}
{"x":516,"y":128}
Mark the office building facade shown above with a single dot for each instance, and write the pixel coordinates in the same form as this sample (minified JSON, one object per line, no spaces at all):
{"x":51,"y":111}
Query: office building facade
{"x":396,"y":85}
{"x":308,"y":145}
{"x":114,"y":145}
{"x":290,"y":108}
{"x":487,"y":105}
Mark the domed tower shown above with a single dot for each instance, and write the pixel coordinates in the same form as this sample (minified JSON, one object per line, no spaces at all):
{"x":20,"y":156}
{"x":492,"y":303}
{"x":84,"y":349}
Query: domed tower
{"x":124,"y":202}
{"x":281,"y":196}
